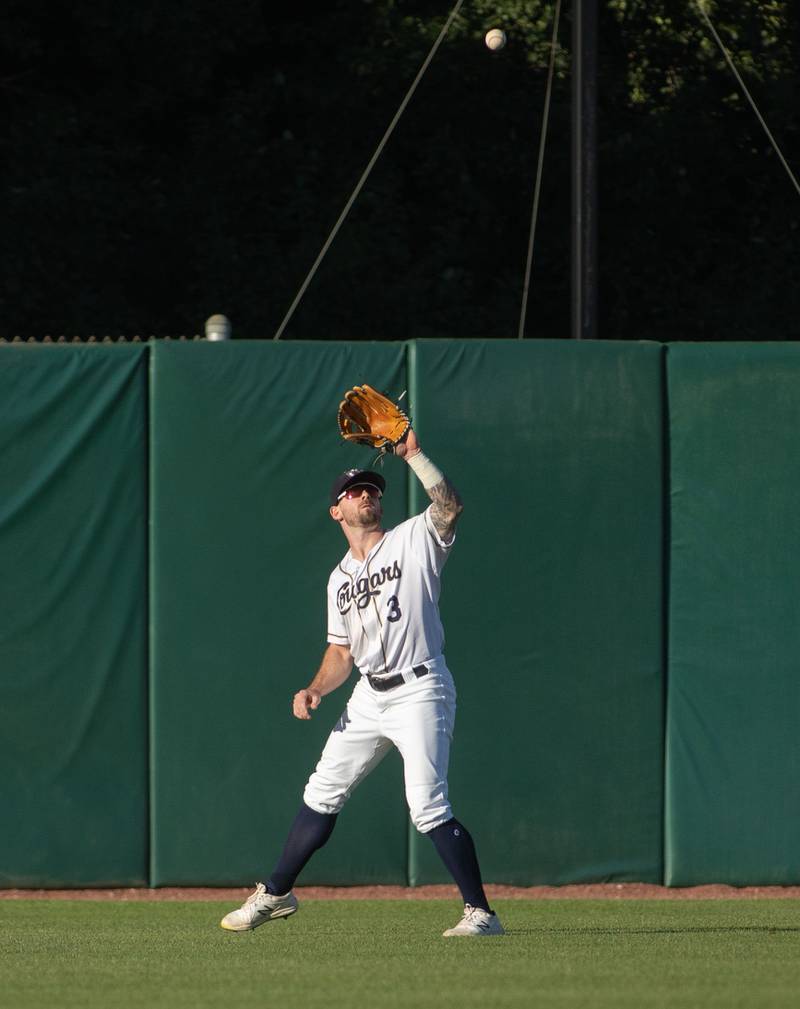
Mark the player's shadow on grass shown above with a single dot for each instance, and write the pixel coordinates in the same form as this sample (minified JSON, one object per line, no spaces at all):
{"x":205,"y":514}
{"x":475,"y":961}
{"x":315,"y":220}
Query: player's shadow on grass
{"x":707,"y":929}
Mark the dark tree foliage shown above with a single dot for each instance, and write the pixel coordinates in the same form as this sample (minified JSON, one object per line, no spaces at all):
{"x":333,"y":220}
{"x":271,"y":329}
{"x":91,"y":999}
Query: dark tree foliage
{"x":165,"y":161}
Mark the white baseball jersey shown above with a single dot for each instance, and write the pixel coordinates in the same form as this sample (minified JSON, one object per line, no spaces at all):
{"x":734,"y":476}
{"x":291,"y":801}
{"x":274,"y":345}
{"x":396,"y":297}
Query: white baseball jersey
{"x":386,"y":607}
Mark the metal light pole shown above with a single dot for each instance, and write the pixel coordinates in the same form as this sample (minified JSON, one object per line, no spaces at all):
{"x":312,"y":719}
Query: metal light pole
{"x":584,"y":170}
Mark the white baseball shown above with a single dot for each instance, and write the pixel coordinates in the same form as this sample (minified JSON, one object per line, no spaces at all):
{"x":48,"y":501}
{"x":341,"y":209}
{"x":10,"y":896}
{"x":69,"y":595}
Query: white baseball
{"x":495,"y":39}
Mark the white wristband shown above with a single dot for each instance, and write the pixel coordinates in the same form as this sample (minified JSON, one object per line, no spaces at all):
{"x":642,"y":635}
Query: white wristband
{"x":428,"y":472}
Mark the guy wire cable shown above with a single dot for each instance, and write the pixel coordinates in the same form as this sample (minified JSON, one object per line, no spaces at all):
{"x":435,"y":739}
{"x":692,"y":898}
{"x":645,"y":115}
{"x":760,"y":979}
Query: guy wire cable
{"x":368,"y":169}
{"x":539,"y":169}
{"x":701,"y":7}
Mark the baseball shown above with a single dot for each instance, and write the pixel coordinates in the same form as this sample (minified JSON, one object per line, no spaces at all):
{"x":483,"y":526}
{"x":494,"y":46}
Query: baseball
{"x":495,"y":39}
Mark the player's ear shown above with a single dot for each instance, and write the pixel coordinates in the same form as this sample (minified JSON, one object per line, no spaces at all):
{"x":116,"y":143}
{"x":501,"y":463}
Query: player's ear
{"x":336,"y":513}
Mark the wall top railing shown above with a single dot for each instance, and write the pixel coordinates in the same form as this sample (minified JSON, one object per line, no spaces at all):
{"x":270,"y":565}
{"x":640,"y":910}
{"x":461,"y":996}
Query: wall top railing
{"x":217,"y":327}
{"x":95,"y":339}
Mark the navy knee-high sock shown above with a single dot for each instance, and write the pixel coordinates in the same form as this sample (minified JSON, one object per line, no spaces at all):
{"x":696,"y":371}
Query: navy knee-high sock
{"x":307,"y":834}
{"x":457,"y":850}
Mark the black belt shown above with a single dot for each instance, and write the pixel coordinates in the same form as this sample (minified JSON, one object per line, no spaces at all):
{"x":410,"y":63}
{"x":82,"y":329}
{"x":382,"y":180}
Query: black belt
{"x":388,"y":682}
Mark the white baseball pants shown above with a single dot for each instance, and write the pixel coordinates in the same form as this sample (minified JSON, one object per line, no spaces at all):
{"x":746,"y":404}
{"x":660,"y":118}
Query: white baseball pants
{"x":418,"y":719}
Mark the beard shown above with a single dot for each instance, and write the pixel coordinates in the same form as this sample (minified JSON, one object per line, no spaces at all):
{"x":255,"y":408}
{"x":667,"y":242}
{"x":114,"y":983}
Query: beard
{"x":366,"y":517}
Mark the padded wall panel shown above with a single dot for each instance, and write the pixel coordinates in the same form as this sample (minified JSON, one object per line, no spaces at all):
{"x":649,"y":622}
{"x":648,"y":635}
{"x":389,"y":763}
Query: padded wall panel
{"x":73,"y":652}
{"x":733,"y":747}
{"x":552,"y":603}
{"x":244,"y":450}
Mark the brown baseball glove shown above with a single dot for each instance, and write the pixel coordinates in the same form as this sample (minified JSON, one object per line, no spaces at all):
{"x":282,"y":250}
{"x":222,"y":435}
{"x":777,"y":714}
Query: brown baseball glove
{"x":367,"y":417}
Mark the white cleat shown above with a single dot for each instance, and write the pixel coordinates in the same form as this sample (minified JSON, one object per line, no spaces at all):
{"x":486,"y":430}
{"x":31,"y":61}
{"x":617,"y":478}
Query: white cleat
{"x":259,"y":908}
{"x":476,"y":921}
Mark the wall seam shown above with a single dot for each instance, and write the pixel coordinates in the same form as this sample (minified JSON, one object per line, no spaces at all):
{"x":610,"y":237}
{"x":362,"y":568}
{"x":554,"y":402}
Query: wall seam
{"x":151,"y":768}
{"x":666,"y":582}
{"x":412,"y":501}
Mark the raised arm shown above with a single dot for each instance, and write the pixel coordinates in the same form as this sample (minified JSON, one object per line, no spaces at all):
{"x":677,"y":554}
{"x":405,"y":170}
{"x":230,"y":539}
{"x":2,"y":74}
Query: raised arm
{"x":447,"y":504}
{"x":336,"y":666}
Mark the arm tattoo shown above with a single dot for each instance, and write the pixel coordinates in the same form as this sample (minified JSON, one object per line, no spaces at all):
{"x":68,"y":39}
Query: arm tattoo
{"x":446,"y":508}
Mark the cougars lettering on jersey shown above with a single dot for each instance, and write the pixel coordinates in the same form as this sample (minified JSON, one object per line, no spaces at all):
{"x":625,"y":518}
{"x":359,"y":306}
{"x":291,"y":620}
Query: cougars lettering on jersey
{"x":385,"y":608}
{"x":361,"y":591}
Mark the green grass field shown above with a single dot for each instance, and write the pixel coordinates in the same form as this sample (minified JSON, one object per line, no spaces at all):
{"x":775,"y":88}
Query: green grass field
{"x":565,"y":954}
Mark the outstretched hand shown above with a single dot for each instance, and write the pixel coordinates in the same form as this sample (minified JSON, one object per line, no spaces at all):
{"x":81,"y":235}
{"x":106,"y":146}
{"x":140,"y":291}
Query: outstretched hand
{"x":303,"y":701}
{"x":408,"y":446}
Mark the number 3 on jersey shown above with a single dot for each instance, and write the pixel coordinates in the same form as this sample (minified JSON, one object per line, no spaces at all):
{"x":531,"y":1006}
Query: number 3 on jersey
{"x":394,"y":609}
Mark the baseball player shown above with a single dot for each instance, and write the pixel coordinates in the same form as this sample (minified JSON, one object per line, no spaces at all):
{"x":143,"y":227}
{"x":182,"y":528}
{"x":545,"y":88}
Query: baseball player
{"x":383,"y":615}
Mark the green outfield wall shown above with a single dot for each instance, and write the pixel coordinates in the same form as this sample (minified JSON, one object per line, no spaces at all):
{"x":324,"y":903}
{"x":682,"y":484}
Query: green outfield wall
{"x":244,"y":447}
{"x":73,"y":637}
{"x":733,"y":748}
{"x":552,"y":602}
{"x":619,"y":608}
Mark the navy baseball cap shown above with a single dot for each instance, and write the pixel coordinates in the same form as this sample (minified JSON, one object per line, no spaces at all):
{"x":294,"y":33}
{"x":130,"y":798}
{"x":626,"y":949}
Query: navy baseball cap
{"x":351,"y":477}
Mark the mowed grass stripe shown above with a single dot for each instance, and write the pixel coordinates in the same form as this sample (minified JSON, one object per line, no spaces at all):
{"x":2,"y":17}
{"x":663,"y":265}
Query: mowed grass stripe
{"x":564,"y":954}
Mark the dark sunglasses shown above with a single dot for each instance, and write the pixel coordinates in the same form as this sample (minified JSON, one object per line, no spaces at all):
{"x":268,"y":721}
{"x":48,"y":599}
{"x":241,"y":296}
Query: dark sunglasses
{"x":357,"y":490}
